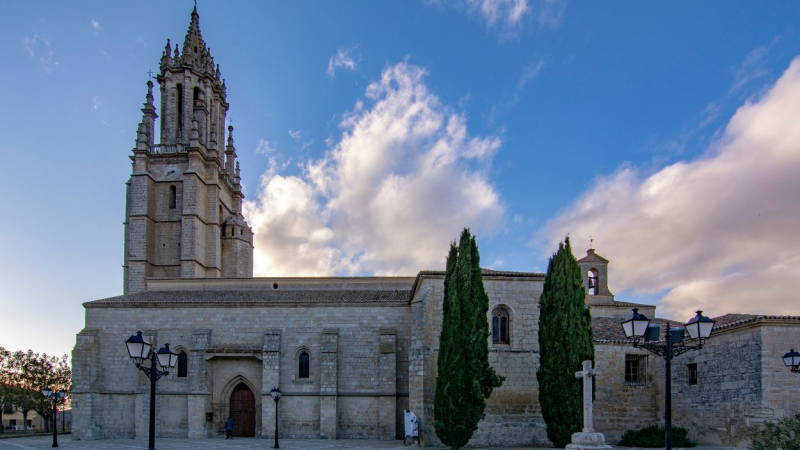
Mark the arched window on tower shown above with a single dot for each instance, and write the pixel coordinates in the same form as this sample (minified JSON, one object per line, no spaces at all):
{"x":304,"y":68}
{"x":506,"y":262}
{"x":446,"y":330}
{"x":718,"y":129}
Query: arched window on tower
{"x":593,"y":280}
{"x":303,"y":361}
{"x":500,"y":326}
{"x":183,"y":364}
{"x":173,"y":197}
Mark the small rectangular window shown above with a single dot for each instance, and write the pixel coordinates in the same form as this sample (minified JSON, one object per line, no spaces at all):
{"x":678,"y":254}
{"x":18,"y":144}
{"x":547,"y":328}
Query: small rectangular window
{"x":636,"y":370}
{"x":692,"y":369}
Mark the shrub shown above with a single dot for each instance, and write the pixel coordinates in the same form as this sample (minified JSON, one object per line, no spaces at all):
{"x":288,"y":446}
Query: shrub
{"x":782,"y":435}
{"x":653,"y":437}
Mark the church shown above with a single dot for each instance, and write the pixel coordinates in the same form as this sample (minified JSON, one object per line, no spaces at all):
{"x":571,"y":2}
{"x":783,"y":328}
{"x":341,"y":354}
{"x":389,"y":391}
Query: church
{"x":352,"y":354}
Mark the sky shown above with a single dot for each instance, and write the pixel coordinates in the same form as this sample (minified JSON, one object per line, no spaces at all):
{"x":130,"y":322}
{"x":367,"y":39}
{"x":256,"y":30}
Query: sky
{"x":370,"y":133}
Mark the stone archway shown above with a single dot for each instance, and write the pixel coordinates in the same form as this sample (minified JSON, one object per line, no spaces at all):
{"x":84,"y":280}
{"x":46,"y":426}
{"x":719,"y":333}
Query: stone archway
{"x":243,"y":411}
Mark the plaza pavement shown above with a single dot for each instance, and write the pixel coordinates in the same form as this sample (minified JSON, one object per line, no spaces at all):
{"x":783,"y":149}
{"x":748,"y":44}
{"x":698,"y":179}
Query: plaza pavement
{"x":45,"y":442}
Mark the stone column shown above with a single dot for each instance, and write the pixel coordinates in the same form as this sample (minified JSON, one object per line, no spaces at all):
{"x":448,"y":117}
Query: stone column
{"x":387,"y":346}
{"x":328,"y":382}
{"x":199,"y":394}
{"x":84,"y":375}
{"x":270,"y":377}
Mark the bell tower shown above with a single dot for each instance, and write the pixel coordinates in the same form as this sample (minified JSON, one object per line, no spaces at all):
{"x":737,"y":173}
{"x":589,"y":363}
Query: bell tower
{"x":594,"y":269}
{"x":184,"y":190}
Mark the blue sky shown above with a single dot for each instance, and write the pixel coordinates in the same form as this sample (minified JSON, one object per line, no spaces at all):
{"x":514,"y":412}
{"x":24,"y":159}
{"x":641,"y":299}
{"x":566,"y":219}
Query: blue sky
{"x":630,"y":122}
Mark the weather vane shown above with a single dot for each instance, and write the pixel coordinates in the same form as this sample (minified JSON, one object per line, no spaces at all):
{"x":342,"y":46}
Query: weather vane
{"x":150,"y":72}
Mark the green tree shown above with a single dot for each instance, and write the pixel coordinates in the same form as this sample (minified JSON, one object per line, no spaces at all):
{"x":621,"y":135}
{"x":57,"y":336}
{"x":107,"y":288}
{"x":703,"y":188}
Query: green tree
{"x":5,"y":382}
{"x":465,"y":379}
{"x":565,"y":341}
{"x":25,"y":374}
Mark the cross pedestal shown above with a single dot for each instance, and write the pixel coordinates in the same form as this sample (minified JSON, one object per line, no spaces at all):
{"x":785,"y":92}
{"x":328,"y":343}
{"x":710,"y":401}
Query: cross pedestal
{"x":587,"y":439}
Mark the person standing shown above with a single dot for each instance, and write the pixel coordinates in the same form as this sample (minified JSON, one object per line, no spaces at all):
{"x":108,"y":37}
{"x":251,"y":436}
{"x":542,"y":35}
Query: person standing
{"x":229,"y":428}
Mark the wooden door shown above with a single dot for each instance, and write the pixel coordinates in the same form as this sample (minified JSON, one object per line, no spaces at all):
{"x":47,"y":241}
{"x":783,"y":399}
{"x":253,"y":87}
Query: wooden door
{"x":243,"y":411}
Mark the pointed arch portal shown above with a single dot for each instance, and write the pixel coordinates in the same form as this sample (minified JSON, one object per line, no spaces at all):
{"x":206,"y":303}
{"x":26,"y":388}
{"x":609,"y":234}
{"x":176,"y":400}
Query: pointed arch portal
{"x":243,"y":411}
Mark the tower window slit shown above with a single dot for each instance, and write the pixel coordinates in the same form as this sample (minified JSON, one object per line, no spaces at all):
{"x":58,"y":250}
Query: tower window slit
{"x":173,"y":197}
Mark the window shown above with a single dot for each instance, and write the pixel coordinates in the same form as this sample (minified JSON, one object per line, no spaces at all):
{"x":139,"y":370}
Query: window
{"x":179,"y":94}
{"x":183,"y":365}
{"x":303,"y":361}
{"x":500,"y":326}
{"x":593,"y":279}
{"x":692,"y":369}
{"x":173,"y":197}
{"x":636,"y":370}
{"x":8,"y":408}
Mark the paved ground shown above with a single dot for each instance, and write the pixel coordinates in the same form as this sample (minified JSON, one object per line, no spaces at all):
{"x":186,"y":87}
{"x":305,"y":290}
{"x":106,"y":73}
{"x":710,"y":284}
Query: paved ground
{"x":43,"y":442}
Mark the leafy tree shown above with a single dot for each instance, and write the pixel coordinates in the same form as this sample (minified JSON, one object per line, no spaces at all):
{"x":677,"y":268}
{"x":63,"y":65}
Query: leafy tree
{"x":5,"y":382}
{"x":465,"y":379}
{"x":565,"y":341}
{"x":25,"y":374}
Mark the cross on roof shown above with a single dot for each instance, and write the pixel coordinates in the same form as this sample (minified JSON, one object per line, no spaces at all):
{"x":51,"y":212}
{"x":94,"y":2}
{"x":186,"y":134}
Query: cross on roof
{"x":150,"y":73}
{"x":591,"y":243}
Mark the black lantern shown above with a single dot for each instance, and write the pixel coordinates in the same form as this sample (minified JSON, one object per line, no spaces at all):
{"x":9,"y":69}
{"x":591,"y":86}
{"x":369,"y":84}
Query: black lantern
{"x":55,"y":398}
{"x":699,"y":328}
{"x":635,"y":326}
{"x":140,"y":350}
{"x":792,"y":360}
{"x":648,"y":337}
{"x":276,"y":395}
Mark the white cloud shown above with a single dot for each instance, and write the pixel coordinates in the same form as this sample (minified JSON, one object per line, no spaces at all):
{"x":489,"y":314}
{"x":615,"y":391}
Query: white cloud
{"x":752,"y":68}
{"x":142,"y":41}
{"x":96,"y":28}
{"x":529,"y":74}
{"x":388,"y":197}
{"x":97,"y":103}
{"x":296,"y":134}
{"x":265,"y":147}
{"x":500,"y":12}
{"x":39,"y":49}
{"x":344,"y":59}
{"x":718,"y":233}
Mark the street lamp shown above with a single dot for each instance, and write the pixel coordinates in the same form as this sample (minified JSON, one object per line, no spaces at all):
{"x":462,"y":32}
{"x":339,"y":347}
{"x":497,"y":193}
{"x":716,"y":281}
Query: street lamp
{"x":792,"y":361}
{"x":55,"y":397}
{"x":276,"y":395}
{"x":647,"y":336}
{"x":140,"y":350}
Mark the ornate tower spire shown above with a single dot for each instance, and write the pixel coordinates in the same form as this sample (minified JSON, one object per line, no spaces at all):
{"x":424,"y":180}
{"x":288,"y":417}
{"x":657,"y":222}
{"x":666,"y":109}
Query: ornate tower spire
{"x":195,"y":51}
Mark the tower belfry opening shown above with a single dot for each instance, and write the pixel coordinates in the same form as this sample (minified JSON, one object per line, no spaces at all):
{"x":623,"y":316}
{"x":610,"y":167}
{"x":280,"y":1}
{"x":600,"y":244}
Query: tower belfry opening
{"x":186,"y":188}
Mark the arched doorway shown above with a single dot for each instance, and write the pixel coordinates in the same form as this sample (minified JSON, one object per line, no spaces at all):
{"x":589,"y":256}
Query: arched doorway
{"x":243,"y":411}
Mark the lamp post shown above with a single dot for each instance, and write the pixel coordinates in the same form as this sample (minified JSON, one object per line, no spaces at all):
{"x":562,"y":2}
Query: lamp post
{"x":792,"y":361}
{"x":276,"y":395}
{"x":55,"y":397}
{"x":647,"y":337}
{"x":141,"y":350}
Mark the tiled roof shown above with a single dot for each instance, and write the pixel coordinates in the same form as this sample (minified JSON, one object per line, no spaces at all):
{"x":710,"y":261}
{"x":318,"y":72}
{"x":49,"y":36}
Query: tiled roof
{"x":609,"y":329}
{"x":733,"y":320}
{"x":621,"y":304}
{"x":253,"y":298}
{"x":491,"y":273}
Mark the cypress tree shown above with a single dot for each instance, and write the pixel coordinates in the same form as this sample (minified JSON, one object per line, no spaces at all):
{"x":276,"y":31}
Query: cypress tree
{"x":465,"y":379}
{"x":565,"y":341}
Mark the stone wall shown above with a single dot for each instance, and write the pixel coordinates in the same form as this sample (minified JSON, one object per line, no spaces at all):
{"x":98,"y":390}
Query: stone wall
{"x":224,"y":347}
{"x":513,"y":415}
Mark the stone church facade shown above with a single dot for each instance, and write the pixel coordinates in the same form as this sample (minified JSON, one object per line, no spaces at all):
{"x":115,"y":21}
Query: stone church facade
{"x":350,"y":354}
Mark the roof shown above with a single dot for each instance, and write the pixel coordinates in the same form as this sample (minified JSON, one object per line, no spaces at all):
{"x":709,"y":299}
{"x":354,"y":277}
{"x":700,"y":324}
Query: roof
{"x":591,"y":257}
{"x":253,"y":298}
{"x":622,"y":304}
{"x":608,"y":330}
{"x":490,"y":273}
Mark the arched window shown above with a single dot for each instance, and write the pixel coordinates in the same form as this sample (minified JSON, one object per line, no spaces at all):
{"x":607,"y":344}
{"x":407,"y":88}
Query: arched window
{"x":183,"y":364}
{"x":593,"y":280}
{"x":303,"y":365}
{"x":500,"y":326}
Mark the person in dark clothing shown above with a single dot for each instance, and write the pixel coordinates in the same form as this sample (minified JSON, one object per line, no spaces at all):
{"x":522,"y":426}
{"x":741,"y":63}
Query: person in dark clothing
{"x":229,"y":428}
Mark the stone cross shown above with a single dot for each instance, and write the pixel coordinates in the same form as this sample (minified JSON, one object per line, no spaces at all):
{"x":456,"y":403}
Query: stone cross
{"x":587,"y":373}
